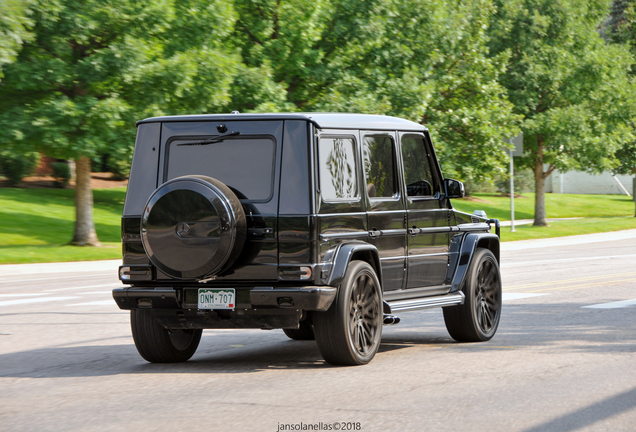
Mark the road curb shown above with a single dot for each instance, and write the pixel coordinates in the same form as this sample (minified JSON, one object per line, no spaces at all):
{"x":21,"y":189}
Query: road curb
{"x":569,"y":240}
{"x":65,"y":267}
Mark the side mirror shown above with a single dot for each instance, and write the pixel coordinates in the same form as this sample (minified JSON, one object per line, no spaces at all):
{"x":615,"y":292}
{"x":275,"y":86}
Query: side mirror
{"x":453,"y":188}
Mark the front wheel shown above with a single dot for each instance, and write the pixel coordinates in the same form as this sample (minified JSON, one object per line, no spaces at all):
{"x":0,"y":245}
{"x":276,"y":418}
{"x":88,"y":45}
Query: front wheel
{"x":157,"y":344}
{"x":477,"y":319}
{"x":349,"y":332}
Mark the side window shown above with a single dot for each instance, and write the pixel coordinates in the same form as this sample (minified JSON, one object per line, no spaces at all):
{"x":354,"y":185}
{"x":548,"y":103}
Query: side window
{"x":417,"y":167}
{"x":379,"y":166}
{"x":337,"y":169}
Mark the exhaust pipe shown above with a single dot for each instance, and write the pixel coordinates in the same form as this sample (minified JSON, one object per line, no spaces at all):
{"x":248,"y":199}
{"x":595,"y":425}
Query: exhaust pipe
{"x":390,"y":320}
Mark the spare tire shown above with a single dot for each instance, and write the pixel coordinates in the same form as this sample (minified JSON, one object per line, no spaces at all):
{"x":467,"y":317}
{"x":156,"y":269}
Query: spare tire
{"x":193,"y":227}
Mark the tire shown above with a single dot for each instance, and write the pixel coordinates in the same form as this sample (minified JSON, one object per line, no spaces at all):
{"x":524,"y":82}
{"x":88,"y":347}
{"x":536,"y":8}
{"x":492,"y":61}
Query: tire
{"x":157,"y":344}
{"x":477,"y":319}
{"x":349,"y":333}
{"x":193,"y":227}
{"x":304,"y":332}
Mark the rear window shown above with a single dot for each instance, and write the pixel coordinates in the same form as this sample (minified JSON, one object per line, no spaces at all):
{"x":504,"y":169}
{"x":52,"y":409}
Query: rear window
{"x":337,"y":169}
{"x":245,"y":164}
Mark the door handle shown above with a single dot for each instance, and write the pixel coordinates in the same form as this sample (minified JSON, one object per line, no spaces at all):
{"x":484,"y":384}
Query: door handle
{"x":375,"y":233}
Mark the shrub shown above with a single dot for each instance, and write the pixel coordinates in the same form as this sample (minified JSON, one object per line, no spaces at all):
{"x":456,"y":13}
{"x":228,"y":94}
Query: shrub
{"x":61,"y":174}
{"x":15,"y":166}
{"x":118,"y":163}
{"x":524,"y":182}
{"x":119,"y":168}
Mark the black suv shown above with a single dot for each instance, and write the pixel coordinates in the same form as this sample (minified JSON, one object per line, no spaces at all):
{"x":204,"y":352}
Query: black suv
{"x":323,"y":225}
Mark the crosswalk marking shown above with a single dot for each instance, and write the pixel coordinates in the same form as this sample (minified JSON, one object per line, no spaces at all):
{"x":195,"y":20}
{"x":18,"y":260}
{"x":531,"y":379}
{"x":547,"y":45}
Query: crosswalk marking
{"x":45,"y":300}
{"x":613,"y":305}
{"x":96,"y":303}
{"x":604,"y":279}
{"x":516,"y":296}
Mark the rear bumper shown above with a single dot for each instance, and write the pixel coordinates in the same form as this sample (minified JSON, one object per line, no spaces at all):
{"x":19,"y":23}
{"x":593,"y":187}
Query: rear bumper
{"x":306,"y":298}
{"x":312,"y":298}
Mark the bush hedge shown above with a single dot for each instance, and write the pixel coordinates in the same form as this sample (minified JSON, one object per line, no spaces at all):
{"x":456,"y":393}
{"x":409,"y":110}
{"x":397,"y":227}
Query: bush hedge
{"x":15,"y":166}
{"x":61,"y":174}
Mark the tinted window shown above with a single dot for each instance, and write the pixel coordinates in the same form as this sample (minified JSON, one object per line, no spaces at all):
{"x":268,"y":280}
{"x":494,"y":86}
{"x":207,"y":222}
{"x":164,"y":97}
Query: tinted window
{"x":337,"y":169}
{"x":417,"y":167}
{"x":379,"y":166}
{"x":244,"y":164}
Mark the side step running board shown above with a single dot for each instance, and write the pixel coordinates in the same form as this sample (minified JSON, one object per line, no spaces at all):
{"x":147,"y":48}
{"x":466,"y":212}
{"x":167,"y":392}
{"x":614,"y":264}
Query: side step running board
{"x":427,"y":302}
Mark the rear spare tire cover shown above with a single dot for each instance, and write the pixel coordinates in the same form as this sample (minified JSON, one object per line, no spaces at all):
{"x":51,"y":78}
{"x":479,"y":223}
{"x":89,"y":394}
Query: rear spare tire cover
{"x":192,"y":227}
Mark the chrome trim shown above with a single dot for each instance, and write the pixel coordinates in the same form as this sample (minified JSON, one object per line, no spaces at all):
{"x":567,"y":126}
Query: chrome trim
{"x":353,"y":234}
{"x":428,"y":255}
{"x":393,"y":232}
{"x":472,"y":227}
{"x":425,"y":303}
{"x":358,"y":213}
{"x":430,"y":230}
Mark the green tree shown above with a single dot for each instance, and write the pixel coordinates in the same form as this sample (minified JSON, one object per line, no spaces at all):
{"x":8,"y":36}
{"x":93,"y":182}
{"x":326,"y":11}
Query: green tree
{"x":14,"y":29}
{"x":426,"y":60}
{"x":572,"y":87}
{"x":93,"y":67}
{"x":620,"y":28}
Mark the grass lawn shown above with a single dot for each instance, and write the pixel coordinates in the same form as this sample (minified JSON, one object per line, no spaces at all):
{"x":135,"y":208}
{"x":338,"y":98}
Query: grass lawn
{"x":557,"y":205}
{"x":602,"y":213}
{"x":36,"y":224}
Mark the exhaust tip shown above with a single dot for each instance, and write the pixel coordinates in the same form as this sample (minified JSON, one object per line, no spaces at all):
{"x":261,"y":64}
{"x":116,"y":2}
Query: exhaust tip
{"x":391,"y":320}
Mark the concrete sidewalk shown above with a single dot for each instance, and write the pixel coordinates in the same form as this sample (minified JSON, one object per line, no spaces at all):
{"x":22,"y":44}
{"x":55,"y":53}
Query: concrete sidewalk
{"x":529,"y":221}
{"x":112,"y":265}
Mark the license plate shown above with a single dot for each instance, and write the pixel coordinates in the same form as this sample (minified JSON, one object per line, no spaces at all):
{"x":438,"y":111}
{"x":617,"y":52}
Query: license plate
{"x":216,"y":298}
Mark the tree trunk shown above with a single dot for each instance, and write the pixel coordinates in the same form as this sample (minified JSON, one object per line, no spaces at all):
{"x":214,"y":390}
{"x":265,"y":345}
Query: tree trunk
{"x":85,"y":234}
{"x":539,"y":187}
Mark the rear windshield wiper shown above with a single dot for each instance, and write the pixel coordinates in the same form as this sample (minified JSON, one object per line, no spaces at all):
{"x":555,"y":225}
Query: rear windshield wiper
{"x":214,"y":140}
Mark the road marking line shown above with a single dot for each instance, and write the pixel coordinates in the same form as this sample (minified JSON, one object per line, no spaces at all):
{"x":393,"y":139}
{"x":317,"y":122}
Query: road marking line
{"x":96,"y":303}
{"x":56,"y":277}
{"x":517,"y":296}
{"x":595,"y":258}
{"x":23,"y":295}
{"x":89,"y":286}
{"x":589,"y":285}
{"x":565,"y":281}
{"x":613,"y":305}
{"x":109,"y":292}
{"x":34,"y":300}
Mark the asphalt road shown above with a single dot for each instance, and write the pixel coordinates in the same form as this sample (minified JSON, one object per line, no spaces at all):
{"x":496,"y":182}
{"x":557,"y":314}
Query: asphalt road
{"x":564,"y":359}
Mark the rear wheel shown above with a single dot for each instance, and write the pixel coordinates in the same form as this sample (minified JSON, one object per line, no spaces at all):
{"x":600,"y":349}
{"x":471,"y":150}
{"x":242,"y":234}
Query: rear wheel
{"x":349,"y":332}
{"x":477,"y":319}
{"x":157,"y":344}
{"x":304,"y":332}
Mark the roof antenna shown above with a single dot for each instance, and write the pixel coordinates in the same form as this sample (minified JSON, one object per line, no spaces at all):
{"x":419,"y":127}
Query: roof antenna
{"x":235,"y":112}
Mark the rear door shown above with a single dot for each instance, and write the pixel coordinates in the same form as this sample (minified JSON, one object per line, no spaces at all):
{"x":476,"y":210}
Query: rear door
{"x":428,"y":224}
{"x":386,"y":214}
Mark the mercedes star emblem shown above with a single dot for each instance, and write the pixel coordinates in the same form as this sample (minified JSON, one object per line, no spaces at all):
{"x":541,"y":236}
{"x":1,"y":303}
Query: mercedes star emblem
{"x":183,"y":229}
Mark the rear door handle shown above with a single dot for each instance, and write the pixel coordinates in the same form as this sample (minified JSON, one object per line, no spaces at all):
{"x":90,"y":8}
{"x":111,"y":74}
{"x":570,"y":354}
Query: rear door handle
{"x":375,"y":233}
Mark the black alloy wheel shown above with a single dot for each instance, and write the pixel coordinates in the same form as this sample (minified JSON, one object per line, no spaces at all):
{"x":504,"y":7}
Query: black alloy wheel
{"x":478,"y":318}
{"x":305,"y":331}
{"x":349,"y":333}
{"x":157,"y":344}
